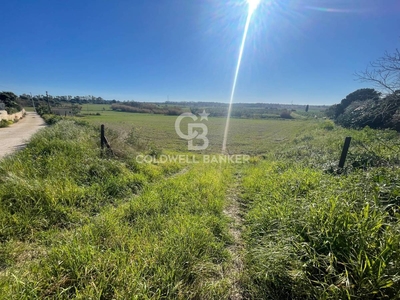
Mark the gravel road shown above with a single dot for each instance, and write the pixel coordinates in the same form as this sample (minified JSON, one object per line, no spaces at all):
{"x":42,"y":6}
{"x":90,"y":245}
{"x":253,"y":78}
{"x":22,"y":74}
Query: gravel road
{"x":16,"y":136}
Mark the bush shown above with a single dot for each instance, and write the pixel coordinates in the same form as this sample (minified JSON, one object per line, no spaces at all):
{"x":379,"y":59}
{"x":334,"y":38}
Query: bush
{"x":10,"y":101}
{"x":12,"y":110}
{"x":328,"y":125}
{"x":5,"y":123}
{"x":365,"y":108}
{"x":147,"y":108}
{"x":51,"y":119}
{"x":286,"y":114}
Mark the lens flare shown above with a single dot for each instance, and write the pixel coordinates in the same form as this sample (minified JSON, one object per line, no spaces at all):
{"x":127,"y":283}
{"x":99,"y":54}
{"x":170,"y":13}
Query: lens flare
{"x":253,"y":4}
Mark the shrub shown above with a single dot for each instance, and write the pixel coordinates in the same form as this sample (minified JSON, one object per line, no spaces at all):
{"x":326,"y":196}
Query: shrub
{"x":365,"y":108}
{"x":12,"y":110}
{"x":5,"y":123}
{"x":328,"y":125}
{"x":51,"y":119}
{"x":286,"y":114}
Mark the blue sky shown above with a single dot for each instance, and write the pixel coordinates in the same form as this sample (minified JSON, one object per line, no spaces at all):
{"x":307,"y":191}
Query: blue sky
{"x":300,"y":51}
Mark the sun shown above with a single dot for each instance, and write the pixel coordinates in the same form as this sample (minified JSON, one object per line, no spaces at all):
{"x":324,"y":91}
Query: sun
{"x":253,"y":4}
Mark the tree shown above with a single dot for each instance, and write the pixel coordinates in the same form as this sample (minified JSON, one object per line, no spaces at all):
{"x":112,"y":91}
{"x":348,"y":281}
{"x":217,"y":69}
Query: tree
{"x":366,"y":107}
{"x":10,"y":101}
{"x":359,"y":95}
{"x":384,"y":73}
{"x":285,"y":114}
{"x":8,"y":98}
{"x":334,"y":111}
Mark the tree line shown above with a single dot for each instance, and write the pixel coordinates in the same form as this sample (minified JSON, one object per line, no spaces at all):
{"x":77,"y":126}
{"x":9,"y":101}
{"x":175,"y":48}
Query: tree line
{"x":44,"y":103}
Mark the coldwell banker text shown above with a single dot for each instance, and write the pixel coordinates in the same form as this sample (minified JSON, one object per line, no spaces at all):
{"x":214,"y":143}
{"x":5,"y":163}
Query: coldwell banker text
{"x":194,"y":159}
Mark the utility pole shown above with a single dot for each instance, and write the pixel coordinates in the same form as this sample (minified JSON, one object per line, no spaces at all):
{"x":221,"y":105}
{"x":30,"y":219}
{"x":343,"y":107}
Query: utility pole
{"x":48,"y":103}
{"x":33,"y":103}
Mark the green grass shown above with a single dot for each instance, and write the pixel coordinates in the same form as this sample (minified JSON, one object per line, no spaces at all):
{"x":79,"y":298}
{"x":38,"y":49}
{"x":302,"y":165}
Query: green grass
{"x":95,"y":108}
{"x":313,"y":234}
{"x":76,"y":224}
{"x":167,"y":243}
{"x":60,"y":180}
{"x":79,"y":224}
{"x":30,"y":109}
{"x":5,"y":123}
{"x":252,"y":136}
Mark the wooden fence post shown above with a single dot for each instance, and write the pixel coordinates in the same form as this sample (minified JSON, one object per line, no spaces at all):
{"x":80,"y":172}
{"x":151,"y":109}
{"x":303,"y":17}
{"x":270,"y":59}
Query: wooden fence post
{"x":103,"y":141}
{"x":102,"y":138}
{"x":344,"y":152}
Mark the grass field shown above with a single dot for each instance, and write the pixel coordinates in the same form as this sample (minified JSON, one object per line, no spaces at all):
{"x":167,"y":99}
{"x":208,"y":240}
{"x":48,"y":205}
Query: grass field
{"x":76,"y":224}
{"x":252,"y":136}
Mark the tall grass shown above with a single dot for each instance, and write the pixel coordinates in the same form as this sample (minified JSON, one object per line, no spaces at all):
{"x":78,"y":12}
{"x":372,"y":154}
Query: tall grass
{"x":167,"y":243}
{"x":311,"y":235}
{"x":321,"y":148}
{"x":79,"y":225}
{"x":60,"y":181}
{"x":75,"y":224}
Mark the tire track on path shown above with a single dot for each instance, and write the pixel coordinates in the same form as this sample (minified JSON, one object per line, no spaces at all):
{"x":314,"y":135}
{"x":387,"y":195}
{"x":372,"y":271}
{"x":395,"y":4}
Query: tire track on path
{"x":234,"y":212}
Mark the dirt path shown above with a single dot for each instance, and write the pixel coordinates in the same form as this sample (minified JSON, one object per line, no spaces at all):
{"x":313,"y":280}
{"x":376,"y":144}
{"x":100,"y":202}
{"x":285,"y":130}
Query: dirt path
{"x":233,"y":211}
{"x":15,"y":137}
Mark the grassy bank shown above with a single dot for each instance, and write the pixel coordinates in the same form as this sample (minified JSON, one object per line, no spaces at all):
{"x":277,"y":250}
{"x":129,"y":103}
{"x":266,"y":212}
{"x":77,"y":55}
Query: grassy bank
{"x":78,"y":225}
{"x":167,"y":242}
{"x":60,"y":178}
{"x":311,"y":233}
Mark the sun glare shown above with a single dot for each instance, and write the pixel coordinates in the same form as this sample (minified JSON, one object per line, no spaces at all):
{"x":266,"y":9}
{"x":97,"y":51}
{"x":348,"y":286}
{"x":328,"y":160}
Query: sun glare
{"x":253,"y":4}
{"x":252,"y":7}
